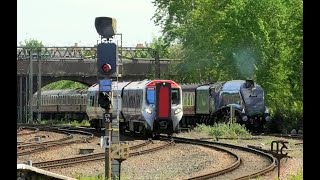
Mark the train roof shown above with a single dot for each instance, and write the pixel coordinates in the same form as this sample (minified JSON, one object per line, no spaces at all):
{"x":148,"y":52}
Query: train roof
{"x":115,"y":86}
{"x":189,"y":86}
{"x":233,"y":85}
{"x":152,"y":83}
{"x":137,"y":84}
{"x":207,"y":86}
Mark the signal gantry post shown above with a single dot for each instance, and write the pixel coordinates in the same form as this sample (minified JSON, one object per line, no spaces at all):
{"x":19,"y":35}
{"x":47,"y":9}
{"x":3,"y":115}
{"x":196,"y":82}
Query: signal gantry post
{"x":105,"y":102}
{"x":107,"y":58}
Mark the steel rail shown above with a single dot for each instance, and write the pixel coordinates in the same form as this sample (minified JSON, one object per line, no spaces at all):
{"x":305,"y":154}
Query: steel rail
{"x":92,"y":157}
{"x":212,"y":144}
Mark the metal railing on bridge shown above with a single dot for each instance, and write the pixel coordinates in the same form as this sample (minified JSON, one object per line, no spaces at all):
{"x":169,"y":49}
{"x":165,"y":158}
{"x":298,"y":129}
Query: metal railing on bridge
{"x":85,"y":53}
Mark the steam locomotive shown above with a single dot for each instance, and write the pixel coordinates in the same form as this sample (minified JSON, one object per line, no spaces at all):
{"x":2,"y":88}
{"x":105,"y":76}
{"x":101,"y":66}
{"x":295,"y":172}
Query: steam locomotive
{"x":240,"y":101}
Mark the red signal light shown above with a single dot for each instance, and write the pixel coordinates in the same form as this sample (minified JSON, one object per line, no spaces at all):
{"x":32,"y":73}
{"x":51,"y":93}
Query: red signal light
{"x":106,"y":68}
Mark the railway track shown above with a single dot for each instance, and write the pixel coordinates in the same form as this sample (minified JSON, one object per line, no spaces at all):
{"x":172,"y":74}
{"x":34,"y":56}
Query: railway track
{"x":26,"y":148}
{"x":243,"y":170}
{"x":61,"y":163}
{"x":27,"y":133}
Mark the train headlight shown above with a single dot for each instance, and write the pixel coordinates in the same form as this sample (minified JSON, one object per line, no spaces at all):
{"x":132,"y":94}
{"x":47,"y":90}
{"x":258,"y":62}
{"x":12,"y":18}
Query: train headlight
{"x":148,"y":110}
{"x":177,"y":111}
{"x":243,"y":111}
{"x":244,"y":118}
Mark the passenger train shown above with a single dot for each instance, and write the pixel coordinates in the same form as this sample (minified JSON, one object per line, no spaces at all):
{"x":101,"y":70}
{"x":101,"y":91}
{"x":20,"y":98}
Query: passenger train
{"x":149,"y":106}
{"x":138,"y":105}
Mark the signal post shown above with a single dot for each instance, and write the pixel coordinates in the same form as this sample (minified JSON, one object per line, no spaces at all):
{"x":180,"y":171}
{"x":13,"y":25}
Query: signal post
{"x":107,"y":56}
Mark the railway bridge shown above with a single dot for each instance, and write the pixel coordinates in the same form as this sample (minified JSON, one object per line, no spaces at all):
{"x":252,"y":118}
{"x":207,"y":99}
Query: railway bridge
{"x":78,"y":64}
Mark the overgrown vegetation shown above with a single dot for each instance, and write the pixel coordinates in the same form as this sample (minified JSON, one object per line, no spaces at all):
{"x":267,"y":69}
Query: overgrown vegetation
{"x":66,"y":123}
{"x":98,"y":177}
{"x":224,"y":130}
{"x":297,"y":176}
{"x":64,"y":84}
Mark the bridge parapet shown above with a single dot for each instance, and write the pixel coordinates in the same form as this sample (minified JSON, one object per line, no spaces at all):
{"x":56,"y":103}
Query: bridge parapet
{"x":85,"y":53}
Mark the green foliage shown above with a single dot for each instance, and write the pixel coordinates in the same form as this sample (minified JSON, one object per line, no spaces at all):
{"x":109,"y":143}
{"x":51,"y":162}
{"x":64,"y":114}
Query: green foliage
{"x":297,"y":176}
{"x":159,"y":45}
{"x":98,"y":177}
{"x":239,"y":39}
{"x":64,"y":84}
{"x":66,"y":123}
{"x":224,"y":130}
{"x":31,"y":43}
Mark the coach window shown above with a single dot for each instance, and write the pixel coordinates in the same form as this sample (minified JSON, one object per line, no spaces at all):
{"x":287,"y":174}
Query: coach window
{"x":150,"y":96}
{"x":91,"y":101}
{"x":74,"y":99}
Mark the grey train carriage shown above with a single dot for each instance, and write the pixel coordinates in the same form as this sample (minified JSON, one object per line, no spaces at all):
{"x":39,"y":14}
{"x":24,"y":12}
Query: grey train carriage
{"x":150,"y":107}
{"x":67,"y":104}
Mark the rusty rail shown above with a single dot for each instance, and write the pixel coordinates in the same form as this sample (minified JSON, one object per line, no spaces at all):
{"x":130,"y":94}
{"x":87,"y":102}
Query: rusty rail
{"x":92,"y":157}
{"x":214,"y":145}
{"x":37,"y":147}
{"x":27,"y":133}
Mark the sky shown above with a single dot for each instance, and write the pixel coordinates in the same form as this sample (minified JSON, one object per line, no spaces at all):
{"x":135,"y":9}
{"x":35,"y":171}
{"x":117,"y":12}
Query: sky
{"x":66,"y":22}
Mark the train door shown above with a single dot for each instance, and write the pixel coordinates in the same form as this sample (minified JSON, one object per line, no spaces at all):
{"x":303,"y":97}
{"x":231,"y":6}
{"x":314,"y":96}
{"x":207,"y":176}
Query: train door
{"x":163,"y":119}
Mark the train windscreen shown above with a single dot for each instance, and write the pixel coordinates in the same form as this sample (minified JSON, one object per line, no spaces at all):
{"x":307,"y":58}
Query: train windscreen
{"x":175,"y":96}
{"x":150,"y":95}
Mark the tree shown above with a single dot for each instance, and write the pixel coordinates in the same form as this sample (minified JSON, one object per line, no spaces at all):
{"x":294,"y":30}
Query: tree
{"x":31,"y":43}
{"x":238,"y":39}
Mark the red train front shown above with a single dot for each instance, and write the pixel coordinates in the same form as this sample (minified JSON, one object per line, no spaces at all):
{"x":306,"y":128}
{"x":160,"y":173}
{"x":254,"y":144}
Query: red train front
{"x":152,"y":106}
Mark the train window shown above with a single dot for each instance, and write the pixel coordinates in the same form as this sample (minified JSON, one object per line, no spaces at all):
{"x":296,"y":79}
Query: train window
{"x":175,"y":96}
{"x":90,"y":102}
{"x":85,"y":99}
{"x":124,"y":100}
{"x":71,"y":100}
{"x":76,"y":99}
{"x":150,"y":96}
{"x":184,"y":98}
